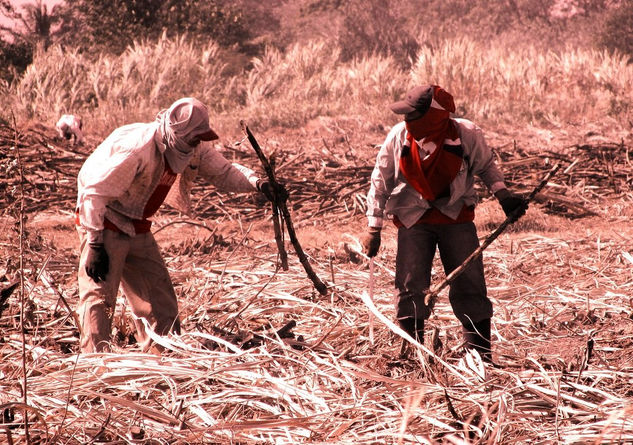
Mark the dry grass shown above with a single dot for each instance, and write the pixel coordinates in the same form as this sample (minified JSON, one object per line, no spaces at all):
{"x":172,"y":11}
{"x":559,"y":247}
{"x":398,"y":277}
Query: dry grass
{"x":561,"y":285}
{"x":329,"y":383}
{"x":499,"y":84}
{"x":560,"y":279}
{"x":493,"y":84}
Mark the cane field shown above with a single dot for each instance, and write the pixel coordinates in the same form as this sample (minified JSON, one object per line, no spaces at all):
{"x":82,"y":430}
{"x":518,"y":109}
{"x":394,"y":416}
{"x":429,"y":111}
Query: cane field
{"x":264,"y":357}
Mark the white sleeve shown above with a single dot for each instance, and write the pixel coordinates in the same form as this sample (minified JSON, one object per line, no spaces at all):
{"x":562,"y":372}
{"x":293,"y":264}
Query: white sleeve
{"x":224,"y":175}
{"x":382,"y":179}
{"x":481,"y":159}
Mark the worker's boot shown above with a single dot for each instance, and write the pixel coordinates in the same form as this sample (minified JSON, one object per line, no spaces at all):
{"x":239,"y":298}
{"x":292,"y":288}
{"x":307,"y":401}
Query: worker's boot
{"x":414,"y":327}
{"x":477,"y":337}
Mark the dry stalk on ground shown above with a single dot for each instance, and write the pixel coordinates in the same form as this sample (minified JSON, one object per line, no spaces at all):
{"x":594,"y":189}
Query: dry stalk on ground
{"x":265,"y":359}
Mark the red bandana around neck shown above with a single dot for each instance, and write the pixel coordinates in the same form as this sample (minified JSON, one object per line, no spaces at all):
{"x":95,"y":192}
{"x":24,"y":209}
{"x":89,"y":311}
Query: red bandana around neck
{"x":432,"y":176}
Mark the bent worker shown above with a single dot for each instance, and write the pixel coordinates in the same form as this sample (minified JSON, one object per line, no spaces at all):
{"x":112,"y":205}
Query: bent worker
{"x":120,"y":186}
{"x":424,"y":177}
{"x":70,"y":126}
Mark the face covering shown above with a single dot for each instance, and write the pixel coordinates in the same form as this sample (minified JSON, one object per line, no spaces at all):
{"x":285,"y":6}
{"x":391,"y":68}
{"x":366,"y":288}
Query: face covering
{"x":433,"y":125}
{"x":178,"y":125}
{"x":431,"y":175}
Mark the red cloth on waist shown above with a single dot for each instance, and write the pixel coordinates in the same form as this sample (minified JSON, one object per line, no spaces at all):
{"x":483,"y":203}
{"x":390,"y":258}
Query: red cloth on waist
{"x":140,"y":225}
{"x":434,"y":216}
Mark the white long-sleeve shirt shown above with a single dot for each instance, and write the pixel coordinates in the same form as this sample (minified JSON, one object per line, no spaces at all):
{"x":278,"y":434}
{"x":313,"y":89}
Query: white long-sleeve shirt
{"x":119,"y":177}
{"x":69,"y":125}
{"x":391,"y":194}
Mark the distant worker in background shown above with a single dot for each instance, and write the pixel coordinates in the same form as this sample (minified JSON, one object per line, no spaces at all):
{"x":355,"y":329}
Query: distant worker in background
{"x":70,"y":126}
{"x":120,"y":186}
{"x":424,"y":178}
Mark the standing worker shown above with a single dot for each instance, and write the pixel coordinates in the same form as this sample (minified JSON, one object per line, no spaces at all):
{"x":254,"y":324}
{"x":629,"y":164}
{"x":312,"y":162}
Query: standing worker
{"x":120,"y":186}
{"x":424,"y":177}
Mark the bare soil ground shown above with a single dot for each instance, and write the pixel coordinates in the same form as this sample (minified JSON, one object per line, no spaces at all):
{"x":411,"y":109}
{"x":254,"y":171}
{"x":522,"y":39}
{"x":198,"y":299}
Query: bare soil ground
{"x":561,"y":281}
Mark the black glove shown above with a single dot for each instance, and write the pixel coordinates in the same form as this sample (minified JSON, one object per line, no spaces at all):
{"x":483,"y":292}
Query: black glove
{"x":371,"y":242}
{"x":97,"y":262}
{"x":513,"y":206}
{"x":273,"y":194}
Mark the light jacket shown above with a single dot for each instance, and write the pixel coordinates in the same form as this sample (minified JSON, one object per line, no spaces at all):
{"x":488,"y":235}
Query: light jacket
{"x":118,"y":178}
{"x":391,"y":194}
{"x":69,"y":125}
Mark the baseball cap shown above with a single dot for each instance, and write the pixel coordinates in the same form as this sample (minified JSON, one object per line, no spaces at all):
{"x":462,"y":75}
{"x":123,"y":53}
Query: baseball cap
{"x":417,"y":99}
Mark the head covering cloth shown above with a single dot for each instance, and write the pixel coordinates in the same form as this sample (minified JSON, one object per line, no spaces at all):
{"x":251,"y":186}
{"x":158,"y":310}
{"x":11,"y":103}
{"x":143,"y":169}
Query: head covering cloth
{"x":185,"y":120}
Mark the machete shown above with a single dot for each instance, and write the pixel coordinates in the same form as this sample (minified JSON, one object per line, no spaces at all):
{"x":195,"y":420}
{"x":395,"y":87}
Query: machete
{"x":432,"y":294}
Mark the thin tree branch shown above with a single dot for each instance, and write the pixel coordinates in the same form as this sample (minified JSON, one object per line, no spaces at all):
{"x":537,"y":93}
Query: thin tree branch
{"x":21,"y":217}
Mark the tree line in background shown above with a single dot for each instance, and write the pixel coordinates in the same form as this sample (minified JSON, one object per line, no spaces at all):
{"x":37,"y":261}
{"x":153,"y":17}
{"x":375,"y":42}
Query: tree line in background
{"x":245,"y":27}
{"x":110,"y":26}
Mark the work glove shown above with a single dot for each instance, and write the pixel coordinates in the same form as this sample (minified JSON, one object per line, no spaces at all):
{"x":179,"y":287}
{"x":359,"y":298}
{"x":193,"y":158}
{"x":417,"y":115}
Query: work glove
{"x":97,"y":262}
{"x":371,"y":242}
{"x":513,"y":206}
{"x":273,"y":194}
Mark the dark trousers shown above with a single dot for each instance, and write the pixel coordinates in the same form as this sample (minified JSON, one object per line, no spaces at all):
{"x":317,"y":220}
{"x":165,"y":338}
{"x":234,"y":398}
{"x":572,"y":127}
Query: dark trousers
{"x":414,"y":261}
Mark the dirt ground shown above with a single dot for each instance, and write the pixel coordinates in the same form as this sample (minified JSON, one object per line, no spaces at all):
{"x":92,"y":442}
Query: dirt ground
{"x":561,"y":285}
{"x":572,"y":255}
{"x":52,"y":227}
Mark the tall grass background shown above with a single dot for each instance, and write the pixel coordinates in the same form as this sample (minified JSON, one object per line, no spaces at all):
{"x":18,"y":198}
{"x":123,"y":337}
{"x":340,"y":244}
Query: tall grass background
{"x":491,"y":83}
